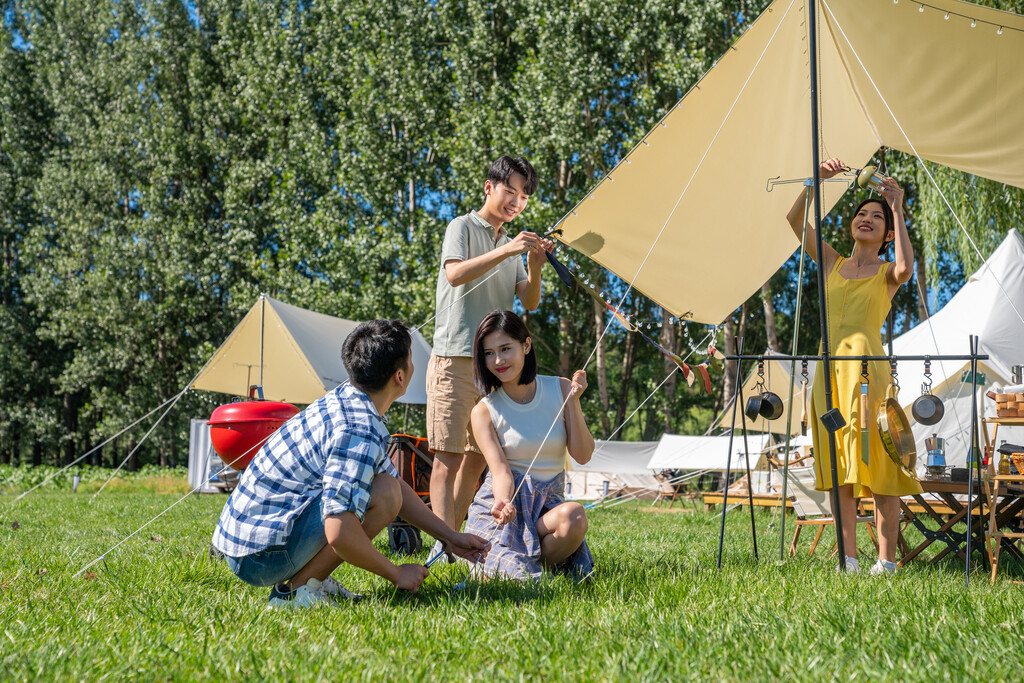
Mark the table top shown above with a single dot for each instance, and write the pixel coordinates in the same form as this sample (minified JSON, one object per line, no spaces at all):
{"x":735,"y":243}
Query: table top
{"x":945,"y":485}
{"x":1004,"y":420}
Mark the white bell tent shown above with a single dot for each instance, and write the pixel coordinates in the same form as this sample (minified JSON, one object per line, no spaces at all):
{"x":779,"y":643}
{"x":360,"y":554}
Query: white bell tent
{"x":987,"y":306}
{"x":616,"y":468}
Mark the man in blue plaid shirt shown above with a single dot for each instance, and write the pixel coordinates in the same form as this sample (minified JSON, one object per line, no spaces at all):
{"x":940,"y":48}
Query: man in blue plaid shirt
{"x":323,"y":487}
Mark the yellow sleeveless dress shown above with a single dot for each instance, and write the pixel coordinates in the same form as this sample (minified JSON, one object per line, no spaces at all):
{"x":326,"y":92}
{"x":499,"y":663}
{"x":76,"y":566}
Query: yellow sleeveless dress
{"x":856,"y":311}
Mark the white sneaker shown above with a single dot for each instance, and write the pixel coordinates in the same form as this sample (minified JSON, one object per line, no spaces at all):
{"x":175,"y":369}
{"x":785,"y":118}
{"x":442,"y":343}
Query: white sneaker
{"x":332,"y":588}
{"x":303,"y":596}
{"x":437,"y":548}
{"x":882,"y":567}
{"x":451,"y":557}
{"x":852,"y":566}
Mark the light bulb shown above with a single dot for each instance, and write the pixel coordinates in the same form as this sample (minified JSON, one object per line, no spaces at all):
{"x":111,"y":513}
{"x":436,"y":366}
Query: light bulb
{"x":1000,"y":31}
{"x":974,"y":23}
{"x":946,"y":17}
{"x":921,"y":8}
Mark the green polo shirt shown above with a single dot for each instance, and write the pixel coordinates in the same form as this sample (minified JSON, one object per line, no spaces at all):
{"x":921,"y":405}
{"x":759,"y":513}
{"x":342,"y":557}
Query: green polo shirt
{"x":459,"y":313}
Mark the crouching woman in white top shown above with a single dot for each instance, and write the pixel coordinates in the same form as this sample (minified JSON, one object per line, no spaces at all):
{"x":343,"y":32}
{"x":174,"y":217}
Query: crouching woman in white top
{"x":520,"y":505}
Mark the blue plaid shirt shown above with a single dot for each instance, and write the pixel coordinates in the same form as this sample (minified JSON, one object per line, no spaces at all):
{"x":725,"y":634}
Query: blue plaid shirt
{"x":331,"y":450}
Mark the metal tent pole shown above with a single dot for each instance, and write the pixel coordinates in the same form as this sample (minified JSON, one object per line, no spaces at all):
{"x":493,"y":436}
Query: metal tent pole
{"x":972,"y":454}
{"x":750,"y":481}
{"x":728,"y":459}
{"x":263,"y":305}
{"x":833,"y":420}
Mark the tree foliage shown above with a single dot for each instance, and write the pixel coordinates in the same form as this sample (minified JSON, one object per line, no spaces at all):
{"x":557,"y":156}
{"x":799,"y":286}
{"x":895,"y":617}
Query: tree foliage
{"x":163,"y":162}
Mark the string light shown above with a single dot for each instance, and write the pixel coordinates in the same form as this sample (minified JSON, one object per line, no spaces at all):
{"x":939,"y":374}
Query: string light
{"x":974,"y":21}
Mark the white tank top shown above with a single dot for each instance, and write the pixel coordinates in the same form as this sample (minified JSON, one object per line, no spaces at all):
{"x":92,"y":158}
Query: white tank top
{"x":521,"y":428}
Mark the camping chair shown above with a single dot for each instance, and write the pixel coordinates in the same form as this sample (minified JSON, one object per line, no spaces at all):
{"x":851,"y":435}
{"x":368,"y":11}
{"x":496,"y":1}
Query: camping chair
{"x":812,"y":508}
{"x":670,"y":488}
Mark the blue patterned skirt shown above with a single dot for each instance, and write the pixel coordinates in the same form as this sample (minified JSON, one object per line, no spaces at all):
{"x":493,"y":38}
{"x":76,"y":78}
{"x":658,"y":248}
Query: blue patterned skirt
{"x":515,"y":547}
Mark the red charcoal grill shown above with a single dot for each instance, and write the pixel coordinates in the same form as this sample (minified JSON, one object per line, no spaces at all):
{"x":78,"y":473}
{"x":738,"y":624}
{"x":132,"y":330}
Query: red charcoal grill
{"x":237,"y":430}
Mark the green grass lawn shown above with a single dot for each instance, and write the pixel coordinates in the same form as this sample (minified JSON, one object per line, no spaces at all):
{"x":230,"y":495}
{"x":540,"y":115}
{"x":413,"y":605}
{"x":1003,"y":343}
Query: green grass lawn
{"x":159,"y":608}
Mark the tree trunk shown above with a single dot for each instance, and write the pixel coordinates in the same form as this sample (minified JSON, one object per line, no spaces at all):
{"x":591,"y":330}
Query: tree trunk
{"x":37,"y":453}
{"x":731,"y":334}
{"x":628,"y":359}
{"x":70,"y":427}
{"x":564,"y":341}
{"x":133,"y":460}
{"x":769,"y":317}
{"x":729,"y":373}
{"x":602,"y":369}
{"x":668,"y":340}
{"x":922,"y":287}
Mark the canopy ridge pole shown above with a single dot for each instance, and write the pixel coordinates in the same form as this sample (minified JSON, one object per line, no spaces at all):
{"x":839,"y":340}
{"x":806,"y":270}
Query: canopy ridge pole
{"x":263,"y":305}
{"x":984,"y":261}
{"x":826,"y":365}
{"x":792,"y":375}
{"x":728,"y":458}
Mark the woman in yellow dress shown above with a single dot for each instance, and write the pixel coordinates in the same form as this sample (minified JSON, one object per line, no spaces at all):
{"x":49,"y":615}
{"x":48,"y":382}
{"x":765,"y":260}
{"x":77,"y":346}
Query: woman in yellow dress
{"x":858,"y":292}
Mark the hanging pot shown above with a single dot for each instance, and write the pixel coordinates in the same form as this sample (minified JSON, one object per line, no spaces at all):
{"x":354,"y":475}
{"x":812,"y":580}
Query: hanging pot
{"x":766,"y":404}
{"x":753,"y":407}
{"x":894,"y":429}
{"x":927,"y":409}
{"x":771,"y":406}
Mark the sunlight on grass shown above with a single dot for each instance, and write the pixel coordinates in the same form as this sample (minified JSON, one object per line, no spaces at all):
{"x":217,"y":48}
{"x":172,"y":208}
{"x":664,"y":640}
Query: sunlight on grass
{"x":160,"y":608}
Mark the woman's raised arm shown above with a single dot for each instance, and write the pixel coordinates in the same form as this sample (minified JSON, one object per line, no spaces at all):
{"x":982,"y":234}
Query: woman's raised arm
{"x":828,"y":169}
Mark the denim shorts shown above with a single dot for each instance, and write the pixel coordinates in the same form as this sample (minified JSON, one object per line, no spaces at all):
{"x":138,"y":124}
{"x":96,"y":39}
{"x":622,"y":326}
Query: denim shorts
{"x":280,"y":563}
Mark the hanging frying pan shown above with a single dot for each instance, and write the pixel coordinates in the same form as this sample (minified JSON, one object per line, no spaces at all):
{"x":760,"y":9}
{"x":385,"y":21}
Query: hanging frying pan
{"x":894,"y":429}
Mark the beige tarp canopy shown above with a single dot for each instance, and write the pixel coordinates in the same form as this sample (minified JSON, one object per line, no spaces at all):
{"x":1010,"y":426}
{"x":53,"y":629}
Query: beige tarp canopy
{"x":900,"y":75}
{"x":301,"y":355}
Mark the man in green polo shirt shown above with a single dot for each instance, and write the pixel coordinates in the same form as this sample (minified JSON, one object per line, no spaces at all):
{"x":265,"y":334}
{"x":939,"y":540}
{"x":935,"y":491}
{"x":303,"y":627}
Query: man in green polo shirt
{"x":481,"y":271}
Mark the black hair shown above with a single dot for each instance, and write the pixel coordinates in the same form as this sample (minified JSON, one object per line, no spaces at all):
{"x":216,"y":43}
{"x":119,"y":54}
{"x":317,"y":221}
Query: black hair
{"x":374,"y":351}
{"x":503,"y":168}
{"x":512,"y":325}
{"x":890,"y":221}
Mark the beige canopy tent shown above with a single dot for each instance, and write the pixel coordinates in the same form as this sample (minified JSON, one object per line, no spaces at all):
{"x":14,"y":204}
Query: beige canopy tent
{"x":941,"y":80}
{"x":301,"y":355}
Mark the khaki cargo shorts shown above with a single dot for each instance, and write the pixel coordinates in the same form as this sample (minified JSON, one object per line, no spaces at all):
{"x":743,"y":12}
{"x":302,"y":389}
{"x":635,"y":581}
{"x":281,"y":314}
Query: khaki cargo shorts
{"x":451,"y":396}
